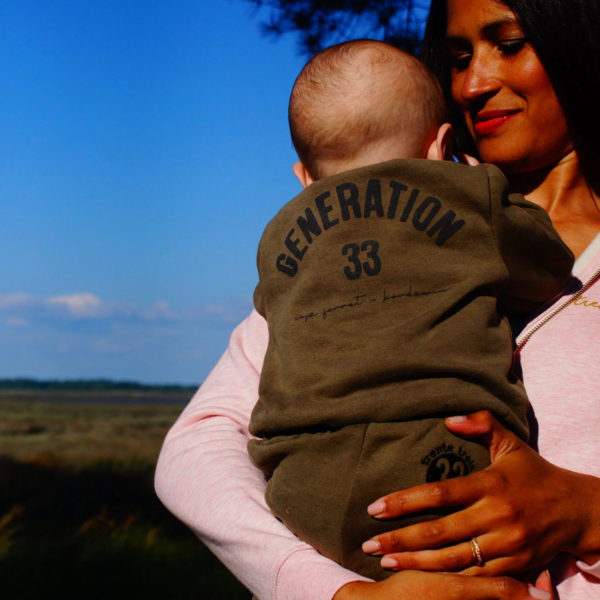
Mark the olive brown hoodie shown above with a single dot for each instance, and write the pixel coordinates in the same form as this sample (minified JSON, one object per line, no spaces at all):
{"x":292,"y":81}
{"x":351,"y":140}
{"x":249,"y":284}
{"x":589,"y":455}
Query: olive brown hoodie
{"x":385,"y":290}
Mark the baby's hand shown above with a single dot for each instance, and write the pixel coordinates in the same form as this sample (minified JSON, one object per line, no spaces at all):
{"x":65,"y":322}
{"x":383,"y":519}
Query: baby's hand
{"x":467,"y":159}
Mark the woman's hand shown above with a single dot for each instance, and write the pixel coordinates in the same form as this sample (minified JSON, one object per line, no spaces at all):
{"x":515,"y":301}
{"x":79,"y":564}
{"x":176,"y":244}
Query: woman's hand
{"x":522,"y":510}
{"x":416,"y":585}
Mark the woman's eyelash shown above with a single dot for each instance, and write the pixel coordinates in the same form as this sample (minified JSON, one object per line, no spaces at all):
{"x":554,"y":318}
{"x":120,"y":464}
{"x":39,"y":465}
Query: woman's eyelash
{"x":460,"y":61}
{"x":510,"y":47}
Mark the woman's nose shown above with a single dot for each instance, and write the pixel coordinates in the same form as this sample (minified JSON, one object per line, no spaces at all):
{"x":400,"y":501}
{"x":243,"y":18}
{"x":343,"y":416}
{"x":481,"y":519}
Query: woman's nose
{"x":481,"y":78}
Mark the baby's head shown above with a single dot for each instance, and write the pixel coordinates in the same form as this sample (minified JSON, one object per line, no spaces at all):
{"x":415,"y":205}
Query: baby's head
{"x":363,"y":102}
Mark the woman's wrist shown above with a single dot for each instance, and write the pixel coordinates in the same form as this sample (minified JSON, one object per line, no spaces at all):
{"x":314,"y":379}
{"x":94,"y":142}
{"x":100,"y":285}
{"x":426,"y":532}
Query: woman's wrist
{"x":355,"y":590}
{"x":587,"y":504}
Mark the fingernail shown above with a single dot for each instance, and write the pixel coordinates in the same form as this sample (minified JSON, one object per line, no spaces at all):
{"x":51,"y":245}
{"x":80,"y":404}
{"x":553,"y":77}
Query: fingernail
{"x":544,"y":577}
{"x":456,"y":419}
{"x":371,"y":546}
{"x":535,"y":592}
{"x":376,"y":508}
{"x":387,"y":562}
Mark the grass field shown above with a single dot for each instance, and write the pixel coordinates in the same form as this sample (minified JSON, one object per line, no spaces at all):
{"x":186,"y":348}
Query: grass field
{"x":78,"y":514}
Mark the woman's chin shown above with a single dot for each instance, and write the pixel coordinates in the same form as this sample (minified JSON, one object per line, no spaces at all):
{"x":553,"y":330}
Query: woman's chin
{"x":516,"y":155}
{"x":516,"y":163}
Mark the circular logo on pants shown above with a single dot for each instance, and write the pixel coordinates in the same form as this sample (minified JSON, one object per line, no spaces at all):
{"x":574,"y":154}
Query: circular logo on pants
{"x":447,"y":466}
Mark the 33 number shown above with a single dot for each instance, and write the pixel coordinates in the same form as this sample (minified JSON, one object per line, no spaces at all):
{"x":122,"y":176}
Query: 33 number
{"x":357,"y":266}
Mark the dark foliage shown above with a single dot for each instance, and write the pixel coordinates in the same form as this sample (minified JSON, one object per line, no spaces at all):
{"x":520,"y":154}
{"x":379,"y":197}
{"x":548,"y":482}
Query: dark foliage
{"x":98,"y":533}
{"x":91,"y":385}
{"x":320,"y":23}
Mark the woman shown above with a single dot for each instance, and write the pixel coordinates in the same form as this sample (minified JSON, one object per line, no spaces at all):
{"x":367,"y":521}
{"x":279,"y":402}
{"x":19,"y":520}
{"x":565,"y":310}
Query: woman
{"x":522,"y":80}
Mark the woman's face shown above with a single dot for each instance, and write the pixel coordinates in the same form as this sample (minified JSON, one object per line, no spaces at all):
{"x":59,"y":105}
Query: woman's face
{"x":507,"y":99}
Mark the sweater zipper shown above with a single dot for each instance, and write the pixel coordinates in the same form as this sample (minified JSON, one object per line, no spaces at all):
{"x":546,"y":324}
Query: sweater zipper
{"x":527,"y":336}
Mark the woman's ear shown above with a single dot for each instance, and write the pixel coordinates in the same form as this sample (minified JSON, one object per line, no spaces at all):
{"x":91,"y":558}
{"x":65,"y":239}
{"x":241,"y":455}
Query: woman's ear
{"x":301,"y":172}
{"x":442,"y":147}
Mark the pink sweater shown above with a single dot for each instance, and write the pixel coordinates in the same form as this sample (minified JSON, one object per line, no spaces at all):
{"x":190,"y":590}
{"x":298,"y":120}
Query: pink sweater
{"x":205,"y":478}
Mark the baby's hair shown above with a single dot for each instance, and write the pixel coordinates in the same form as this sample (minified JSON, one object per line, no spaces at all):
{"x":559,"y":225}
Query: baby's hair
{"x":357,"y":94}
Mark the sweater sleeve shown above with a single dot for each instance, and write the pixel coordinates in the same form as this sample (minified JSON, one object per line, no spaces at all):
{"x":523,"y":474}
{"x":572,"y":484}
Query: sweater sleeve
{"x":205,"y":478}
{"x":538,"y":261}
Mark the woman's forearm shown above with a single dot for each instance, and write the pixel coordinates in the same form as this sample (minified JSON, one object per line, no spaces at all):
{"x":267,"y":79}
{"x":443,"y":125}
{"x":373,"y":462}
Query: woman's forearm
{"x":204,"y":477}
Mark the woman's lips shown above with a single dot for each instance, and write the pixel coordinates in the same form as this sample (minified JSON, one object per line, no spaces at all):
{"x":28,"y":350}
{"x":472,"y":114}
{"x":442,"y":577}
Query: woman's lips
{"x":489,"y":121}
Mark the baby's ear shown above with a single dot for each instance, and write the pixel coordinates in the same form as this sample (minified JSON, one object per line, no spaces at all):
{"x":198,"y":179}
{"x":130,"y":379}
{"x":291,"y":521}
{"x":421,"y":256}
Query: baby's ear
{"x":301,"y":172}
{"x":442,"y":147}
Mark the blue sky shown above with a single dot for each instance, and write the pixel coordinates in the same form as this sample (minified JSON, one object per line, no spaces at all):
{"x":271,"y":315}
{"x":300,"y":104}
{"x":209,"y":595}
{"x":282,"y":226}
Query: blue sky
{"x":143,"y":148}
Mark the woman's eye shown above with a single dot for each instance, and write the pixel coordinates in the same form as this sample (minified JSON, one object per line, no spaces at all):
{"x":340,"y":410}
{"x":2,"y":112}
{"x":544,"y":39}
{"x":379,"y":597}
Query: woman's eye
{"x":511,"y":47}
{"x":461,"y":61}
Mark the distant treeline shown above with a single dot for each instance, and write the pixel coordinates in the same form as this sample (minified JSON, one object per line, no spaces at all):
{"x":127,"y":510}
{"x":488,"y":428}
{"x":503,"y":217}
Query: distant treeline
{"x":91,"y":385}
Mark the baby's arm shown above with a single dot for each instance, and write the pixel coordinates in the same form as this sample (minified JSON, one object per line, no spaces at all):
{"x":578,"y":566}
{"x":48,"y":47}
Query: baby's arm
{"x":205,"y":478}
{"x":538,"y":261}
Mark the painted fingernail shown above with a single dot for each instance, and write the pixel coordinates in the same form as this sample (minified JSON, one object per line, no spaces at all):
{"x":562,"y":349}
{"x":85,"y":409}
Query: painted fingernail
{"x":457,"y":419}
{"x":387,"y":562}
{"x":371,"y":546}
{"x":535,"y":592}
{"x":376,"y":508}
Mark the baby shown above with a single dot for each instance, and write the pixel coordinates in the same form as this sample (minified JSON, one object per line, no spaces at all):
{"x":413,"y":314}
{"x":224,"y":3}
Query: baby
{"x":381,"y":284}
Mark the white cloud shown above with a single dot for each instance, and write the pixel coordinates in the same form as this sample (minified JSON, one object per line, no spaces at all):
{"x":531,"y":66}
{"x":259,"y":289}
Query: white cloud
{"x":77,"y":333}
{"x":159,"y":311}
{"x":19,"y":309}
{"x":230,"y":313}
{"x":79,"y":305}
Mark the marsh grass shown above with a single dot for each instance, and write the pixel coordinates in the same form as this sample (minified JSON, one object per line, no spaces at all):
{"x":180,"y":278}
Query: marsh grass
{"x":78,"y":514}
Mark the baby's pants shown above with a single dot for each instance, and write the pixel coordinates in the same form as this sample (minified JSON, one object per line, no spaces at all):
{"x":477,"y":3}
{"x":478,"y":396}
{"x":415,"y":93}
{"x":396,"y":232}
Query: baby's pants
{"x":324,"y":482}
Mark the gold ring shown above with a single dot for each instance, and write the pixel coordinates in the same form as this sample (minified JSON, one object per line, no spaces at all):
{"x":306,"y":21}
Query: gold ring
{"x":476,"y":552}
